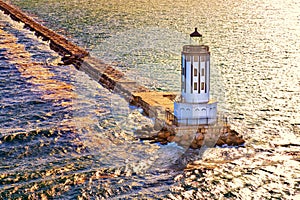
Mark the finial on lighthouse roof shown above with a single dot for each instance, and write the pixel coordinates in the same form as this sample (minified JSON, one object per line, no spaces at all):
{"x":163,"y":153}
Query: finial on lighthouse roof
{"x":195,"y":34}
{"x":196,"y":37}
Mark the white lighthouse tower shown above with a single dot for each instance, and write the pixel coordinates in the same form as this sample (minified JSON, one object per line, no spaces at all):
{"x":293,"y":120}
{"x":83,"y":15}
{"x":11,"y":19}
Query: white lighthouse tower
{"x":195,"y":106}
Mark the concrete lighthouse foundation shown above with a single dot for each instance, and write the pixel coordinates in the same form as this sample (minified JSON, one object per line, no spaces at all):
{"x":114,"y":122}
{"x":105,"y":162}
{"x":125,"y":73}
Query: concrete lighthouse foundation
{"x":195,"y":114}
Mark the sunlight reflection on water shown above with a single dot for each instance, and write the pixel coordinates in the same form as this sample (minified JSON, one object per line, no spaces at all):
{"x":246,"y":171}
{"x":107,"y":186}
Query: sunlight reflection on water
{"x":255,"y":54}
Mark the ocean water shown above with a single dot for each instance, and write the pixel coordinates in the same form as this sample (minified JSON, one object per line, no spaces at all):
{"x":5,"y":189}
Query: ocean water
{"x":62,"y":136}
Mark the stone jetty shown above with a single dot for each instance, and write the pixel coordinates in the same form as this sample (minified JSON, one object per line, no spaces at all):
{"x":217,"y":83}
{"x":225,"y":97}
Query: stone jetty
{"x":158,"y":105}
{"x":61,"y":45}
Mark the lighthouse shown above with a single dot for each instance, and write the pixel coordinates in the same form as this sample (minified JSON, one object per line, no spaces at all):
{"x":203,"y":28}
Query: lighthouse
{"x":194,"y":106}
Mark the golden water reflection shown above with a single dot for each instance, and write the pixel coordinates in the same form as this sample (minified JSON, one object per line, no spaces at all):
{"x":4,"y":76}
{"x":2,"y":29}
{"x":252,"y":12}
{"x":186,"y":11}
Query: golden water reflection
{"x":36,"y":73}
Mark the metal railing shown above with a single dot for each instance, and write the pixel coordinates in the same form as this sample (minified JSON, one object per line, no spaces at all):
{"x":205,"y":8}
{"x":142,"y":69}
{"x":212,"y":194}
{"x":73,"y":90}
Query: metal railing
{"x":195,"y":121}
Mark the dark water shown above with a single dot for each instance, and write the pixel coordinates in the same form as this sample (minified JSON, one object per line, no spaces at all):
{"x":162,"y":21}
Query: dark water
{"x":63,"y":136}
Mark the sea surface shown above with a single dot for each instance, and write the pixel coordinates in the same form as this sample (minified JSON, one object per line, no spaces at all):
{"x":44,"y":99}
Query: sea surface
{"x":64,"y":136}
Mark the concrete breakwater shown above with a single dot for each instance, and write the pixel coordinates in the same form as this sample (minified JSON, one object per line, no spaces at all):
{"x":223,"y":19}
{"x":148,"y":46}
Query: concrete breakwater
{"x":67,"y":49}
{"x":158,"y":105}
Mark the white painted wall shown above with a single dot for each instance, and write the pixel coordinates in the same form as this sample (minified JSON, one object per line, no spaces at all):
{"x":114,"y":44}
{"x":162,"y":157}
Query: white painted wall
{"x":193,"y":114}
{"x":195,"y":107}
{"x":192,"y":96}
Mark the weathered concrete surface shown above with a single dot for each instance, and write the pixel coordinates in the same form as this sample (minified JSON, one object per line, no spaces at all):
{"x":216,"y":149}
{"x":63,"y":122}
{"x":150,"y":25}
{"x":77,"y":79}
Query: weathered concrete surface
{"x":155,"y":104}
{"x":152,"y":100}
{"x":109,"y":77}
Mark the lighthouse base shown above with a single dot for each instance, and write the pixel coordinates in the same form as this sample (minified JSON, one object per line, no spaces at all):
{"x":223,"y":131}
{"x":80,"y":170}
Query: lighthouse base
{"x":195,"y":113}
